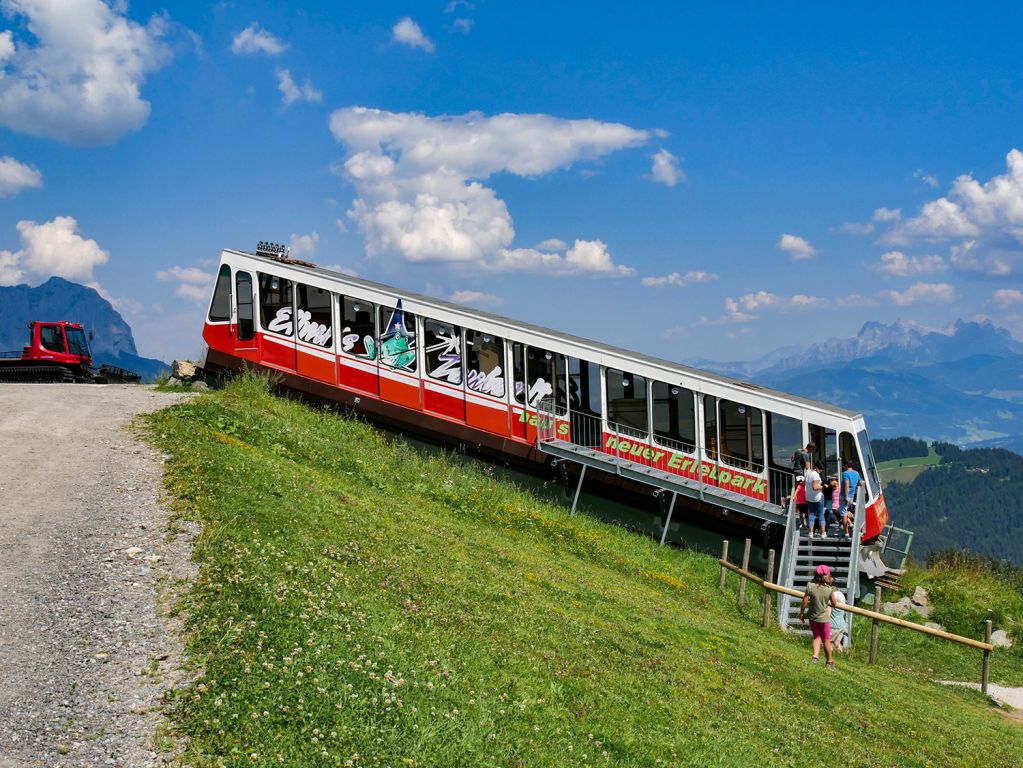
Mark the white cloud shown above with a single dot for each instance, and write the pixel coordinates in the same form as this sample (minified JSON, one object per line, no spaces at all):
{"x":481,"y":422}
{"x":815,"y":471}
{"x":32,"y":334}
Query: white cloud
{"x":463,"y":25}
{"x":983,"y":222}
{"x":1005,"y":297}
{"x":476,"y":298}
{"x":665,"y":169}
{"x":15,"y":177}
{"x":292,"y":92}
{"x":929,"y":179}
{"x":796,"y":247}
{"x":552,"y":244}
{"x":919,"y":293}
{"x":887,"y":214}
{"x":193,"y":283}
{"x":898,"y":264}
{"x":454,"y":5}
{"x":420,"y":195}
{"x":51,"y":248}
{"x":304,"y":245}
{"x":855,"y":228}
{"x":585,"y":257}
{"x":254,"y":39}
{"x":80,"y":81}
{"x":680,"y":280}
{"x":407,"y":32}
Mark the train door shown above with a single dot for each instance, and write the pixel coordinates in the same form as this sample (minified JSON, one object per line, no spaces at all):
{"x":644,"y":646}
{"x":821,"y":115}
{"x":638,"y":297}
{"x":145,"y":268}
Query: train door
{"x":826,"y":441}
{"x":314,"y":333}
{"x":519,"y":415}
{"x":357,"y":356}
{"x":784,"y":438}
{"x":486,"y":397}
{"x":277,"y":321}
{"x":628,"y":416}
{"x":245,"y":345}
{"x":399,"y":357}
{"x":585,"y":414}
{"x":443,"y":387}
{"x":544,"y":377}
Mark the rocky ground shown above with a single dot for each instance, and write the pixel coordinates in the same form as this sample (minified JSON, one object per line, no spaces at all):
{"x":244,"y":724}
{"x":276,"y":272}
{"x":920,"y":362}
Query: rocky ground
{"x":87,"y":570}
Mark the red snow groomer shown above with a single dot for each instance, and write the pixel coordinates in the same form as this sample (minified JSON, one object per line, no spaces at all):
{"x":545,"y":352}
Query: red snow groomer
{"x":58,"y":352}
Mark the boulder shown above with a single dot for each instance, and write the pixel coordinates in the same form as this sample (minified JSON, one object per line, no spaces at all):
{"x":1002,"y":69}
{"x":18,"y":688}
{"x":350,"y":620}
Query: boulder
{"x":184,"y":369}
{"x":900,"y":608}
{"x":925,"y":611}
{"x":920,"y":597}
{"x":935,"y":625}
{"x":200,"y":385}
{"x":1001,"y":639}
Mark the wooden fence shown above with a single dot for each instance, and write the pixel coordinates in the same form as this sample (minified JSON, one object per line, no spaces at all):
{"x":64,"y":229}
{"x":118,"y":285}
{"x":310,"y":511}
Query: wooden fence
{"x":875,"y":617}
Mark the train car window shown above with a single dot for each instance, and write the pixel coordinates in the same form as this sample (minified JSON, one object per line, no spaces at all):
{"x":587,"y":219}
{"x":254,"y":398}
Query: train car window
{"x":52,"y":338}
{"x":710,"y":426}
{"x":275,"y":299}
{"x":847,"y":448}
{"x":220,"y":307}
{"x":542,"y":368}
{"x":584,"y":387}
{"x":442,"y":345}
{"x":674,"y":414}
{"x":784,"y":438}
{"x":484,"y":363}
{"x":358,"y":328}
{"x":519,"y":372}
{"x":314,"y":320}
{"x":627,"y":402}
{"x":874,"y":484}
{"x":742,"y":435}
{"x":397,"y":338}
{"x":243,"y":293}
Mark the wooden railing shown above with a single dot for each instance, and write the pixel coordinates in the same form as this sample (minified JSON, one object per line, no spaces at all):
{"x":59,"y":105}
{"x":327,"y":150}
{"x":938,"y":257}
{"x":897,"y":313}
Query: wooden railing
{"x":875,"y":617}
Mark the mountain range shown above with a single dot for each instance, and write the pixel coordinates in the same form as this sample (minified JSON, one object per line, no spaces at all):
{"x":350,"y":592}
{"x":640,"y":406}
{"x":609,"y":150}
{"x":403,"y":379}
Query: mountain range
{"x":962,"y":383}
{"x":60,"y":299}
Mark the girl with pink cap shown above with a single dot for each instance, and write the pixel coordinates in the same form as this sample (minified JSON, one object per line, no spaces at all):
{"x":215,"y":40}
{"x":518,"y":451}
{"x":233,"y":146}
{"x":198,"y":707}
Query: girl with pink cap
{"x":819,"y":598}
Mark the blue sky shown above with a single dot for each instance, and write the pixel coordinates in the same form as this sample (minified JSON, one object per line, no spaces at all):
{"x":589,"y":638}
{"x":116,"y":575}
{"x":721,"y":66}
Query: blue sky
{"x":722,"y":180}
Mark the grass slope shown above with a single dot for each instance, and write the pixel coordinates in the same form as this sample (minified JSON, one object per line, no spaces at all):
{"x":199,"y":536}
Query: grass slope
{"x":359,"y":603}
{"x":906,"y":470}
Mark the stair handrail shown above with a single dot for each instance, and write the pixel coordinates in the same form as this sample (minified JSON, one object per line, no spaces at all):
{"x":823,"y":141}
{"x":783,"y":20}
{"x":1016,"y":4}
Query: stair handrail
{"x":787,"y":569}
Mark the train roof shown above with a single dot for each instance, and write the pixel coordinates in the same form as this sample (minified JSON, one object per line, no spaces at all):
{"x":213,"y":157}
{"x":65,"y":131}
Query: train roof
{"x":581,"y":340}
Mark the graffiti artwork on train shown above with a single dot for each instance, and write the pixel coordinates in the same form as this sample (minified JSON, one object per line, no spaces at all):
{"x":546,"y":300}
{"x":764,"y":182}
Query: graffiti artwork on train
{"x":491,"y":383}
{"x":447,"y":351}
{"x":397,"y":344}
{"x":308,"y":329}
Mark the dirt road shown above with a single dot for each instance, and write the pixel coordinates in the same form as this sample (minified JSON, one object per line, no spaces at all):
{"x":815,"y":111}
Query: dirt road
{"x":84,"y":559}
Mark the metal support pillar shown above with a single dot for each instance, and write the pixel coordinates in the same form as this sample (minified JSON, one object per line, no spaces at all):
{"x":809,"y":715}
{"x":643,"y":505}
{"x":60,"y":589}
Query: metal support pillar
{"x":578,"y":488}
{"x":671,"y":508}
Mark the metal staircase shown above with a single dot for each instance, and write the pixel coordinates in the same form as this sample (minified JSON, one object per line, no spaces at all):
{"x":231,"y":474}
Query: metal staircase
{"x":801,"y":556}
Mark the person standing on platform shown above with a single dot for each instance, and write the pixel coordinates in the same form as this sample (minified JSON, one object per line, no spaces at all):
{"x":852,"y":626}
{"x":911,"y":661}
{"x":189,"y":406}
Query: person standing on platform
{"x":801,"y":459}
{"x":815,"y":500}
{"x":850,"y":479}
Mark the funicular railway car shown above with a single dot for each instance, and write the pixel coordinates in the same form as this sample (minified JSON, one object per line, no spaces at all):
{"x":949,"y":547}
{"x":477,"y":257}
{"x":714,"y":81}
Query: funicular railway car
{"x":521,"y":391}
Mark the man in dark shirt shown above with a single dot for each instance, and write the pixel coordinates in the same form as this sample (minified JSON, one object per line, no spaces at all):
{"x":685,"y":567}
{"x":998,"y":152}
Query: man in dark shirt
{"x":801,"y":458}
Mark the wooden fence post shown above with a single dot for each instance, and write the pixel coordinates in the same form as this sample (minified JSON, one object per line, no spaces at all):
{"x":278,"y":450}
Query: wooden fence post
{"x":724,"y":556}
{"x":745,"y":567}
{"x":987,"y":657}
{"x":873,"y":624}
{"x":767,"y":592}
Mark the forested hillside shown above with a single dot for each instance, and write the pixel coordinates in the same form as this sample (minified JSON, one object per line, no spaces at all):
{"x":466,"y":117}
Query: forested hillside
{"x":972,"y":500}
{"x":898,"y":448}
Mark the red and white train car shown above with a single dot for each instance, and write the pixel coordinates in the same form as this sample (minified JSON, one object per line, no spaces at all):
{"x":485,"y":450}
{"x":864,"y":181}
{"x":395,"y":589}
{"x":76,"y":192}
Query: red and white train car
{"x":466,"y":376}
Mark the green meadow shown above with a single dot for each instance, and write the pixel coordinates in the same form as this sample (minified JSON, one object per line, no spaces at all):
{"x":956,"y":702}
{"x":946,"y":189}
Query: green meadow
{"x":362,"y":603}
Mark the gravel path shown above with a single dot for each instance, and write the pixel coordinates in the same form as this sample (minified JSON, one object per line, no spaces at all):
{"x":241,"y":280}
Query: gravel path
{"x":1002,"y":695}
{"x":85,"y":649}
